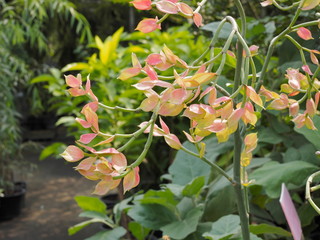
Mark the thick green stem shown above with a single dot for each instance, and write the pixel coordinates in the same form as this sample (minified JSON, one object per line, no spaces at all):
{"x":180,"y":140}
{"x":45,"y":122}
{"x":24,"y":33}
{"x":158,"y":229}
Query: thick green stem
{"x":244,"y":218}
{"x":243,"y":214}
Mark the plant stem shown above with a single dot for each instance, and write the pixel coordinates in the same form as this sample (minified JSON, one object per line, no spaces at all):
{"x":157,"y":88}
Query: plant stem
{"x":308,"y":191}
{"x":212,"y":165}
{"x":244,"y":218}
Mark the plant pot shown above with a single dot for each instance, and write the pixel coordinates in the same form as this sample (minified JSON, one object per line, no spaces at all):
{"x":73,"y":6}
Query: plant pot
{"x":11,"y":205}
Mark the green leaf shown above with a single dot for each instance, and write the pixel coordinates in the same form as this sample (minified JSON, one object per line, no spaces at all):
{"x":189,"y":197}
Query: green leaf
{"x":114,"y":234}
{"x":266,"y":228}
{"x":225,"y":199}
{"x":194,"y":188}
{"x":75,"y":67}
{"x":212,"y":27}
{"x":268,"y":135}
{"x":311,"y":135}
{"x":43,"y":78}
{"x":272,"y":174}
{"x":53,"y":149}
{"x":307,"y":213}
{"x":91,"y":204}
{"x":96,"y":215}
{"x":182,"y":228}
{"x":153,"y":216}
{"x":187,"y":167}
{"x":224,"y":228}
{"x":138,"y":231}
{"x":67,"y":120}
{"x":76,"y":228}
{"x":215,"y":149}
{"x":162,"y":197}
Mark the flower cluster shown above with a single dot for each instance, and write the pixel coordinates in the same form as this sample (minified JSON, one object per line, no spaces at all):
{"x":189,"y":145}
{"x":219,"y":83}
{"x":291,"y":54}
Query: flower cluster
{"x":193,"y":92}
{"x":167,"y":7}
{"x":106,"y":164}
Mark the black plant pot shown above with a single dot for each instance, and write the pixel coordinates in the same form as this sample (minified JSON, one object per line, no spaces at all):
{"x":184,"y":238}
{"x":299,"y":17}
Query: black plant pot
{"x":11,"y":205}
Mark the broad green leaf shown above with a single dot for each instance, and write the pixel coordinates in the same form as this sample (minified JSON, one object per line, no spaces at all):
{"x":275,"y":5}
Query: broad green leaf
{"x":194,"y":188}
{"x":75,"y":67}
{"x":311,"y":135}
{"x":272,"y":174}
{"x":307,"y":213}
{"x":185,"y":206}
{"x":215,"y":149}
{"x":266,"y":228}
{"x":114,"y":234}
{"x":187,"y":167}
{"x":91,"y":204}
{"x":138,"y":231}
{"x":267,"y":135}
{"x":222,"y":203}
{"x":224,"y":228}
{"x":162,"y":197}
{"x":201,"y":228}
{"x":212,"y":27}
{"x":182,"y":228}
{"x":153,"y":216}
{"x":305,"y":152}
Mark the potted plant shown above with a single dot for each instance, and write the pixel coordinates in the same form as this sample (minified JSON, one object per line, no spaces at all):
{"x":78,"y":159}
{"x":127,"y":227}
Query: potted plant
{"x":12,"y":192}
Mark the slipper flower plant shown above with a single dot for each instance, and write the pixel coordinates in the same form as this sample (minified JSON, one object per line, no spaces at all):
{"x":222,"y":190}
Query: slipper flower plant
{"x":193,"y":91}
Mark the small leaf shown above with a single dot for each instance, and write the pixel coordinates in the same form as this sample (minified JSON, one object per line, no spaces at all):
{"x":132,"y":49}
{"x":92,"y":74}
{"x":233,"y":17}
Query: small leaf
{"x":148,"y":25}
{"x":167,"y":7}
{"x":129,"y":73}
{"x":87,"y":138}
{"x":131,"y":180}
{"x":142,"y":4}
{"x":310,"y":4}
{"x":197,"y":19}
{"x":72,"y":154}
{"x":304,"y":33}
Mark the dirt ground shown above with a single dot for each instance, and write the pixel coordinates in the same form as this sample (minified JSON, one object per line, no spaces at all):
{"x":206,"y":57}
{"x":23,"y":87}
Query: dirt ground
{"x":50,"y":207}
